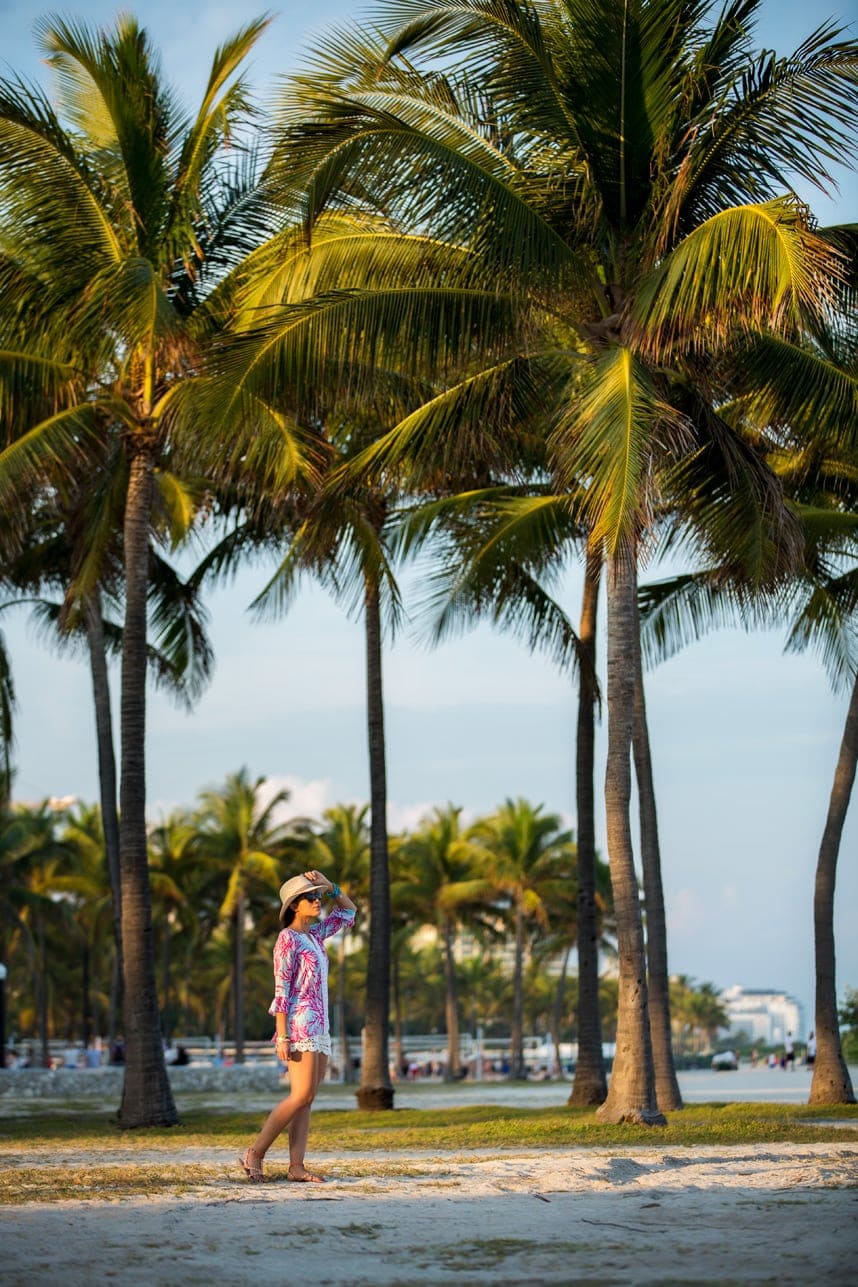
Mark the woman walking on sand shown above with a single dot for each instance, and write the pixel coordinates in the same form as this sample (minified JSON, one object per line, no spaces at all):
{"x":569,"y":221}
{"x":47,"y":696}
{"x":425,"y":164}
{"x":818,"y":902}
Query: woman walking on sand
{"x":300,"y":1009}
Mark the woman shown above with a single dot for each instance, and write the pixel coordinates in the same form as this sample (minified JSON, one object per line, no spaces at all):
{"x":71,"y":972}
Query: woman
{"x":300,"y":1009}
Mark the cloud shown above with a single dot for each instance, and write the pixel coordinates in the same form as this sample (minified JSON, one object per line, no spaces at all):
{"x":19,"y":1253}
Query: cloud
{"x":310,"y":798}
{"x":307,"y":799}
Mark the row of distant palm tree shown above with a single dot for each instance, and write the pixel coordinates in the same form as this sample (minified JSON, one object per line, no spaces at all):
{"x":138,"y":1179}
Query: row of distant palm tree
{"x":215,"y":873}
{"x":560,"y":299}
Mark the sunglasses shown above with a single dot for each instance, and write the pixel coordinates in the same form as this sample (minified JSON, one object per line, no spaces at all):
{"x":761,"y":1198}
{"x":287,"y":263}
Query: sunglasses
{"x":312,"y":898}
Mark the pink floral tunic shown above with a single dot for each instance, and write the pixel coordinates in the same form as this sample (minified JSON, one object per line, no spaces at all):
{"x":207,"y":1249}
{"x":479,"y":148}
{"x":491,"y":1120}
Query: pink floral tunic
{"x":301,"y":981}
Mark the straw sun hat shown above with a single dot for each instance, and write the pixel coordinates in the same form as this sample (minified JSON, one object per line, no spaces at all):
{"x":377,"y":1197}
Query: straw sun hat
{"x":292,"y":890}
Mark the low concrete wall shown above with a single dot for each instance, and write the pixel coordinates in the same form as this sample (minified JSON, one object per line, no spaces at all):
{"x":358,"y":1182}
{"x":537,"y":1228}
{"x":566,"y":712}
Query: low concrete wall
{"x":106,"y":1083}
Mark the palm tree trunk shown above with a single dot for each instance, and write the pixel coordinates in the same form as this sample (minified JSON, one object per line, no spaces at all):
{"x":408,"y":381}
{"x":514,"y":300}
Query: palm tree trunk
{"x":238,"y":981}
{"x":590,"y":1085}
{"x":375,"y":1091}
{"x":451,"y":1072}
{"x":557,"y":1010}
{"x":107,"y":785}
{"x":86,"y":997}
{"x":345,"y":1058}
{"x":166,"y":1019}
{"x":631,"y":1090}
{"x":146,"y":1096}
{"x":831,"y":1082}
{"x":666,"y":1085}
{"x":517,"y":1069}
{"x":43,"y":991}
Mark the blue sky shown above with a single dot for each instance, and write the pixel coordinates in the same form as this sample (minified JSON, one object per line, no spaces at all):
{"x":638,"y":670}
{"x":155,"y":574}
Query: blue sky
{"x":744,"y":739}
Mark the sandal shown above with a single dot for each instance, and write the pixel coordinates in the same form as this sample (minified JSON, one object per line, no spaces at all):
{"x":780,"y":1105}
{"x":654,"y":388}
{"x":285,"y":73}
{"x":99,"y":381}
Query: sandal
{"x":252,"y":1166}
{"x":307,"y":1178}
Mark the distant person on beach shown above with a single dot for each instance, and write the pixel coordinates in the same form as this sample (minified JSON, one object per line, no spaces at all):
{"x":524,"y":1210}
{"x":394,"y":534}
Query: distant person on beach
{"x":789,"y":1052}
{"x":810,"y":1054}
{"x":300,"y":1009}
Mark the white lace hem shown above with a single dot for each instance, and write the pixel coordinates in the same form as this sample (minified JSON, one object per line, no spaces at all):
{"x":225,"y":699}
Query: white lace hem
{"x":320,"y":1045}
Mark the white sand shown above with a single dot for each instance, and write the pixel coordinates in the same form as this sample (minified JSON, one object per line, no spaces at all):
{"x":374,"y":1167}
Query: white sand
{"x":739,"y":1214}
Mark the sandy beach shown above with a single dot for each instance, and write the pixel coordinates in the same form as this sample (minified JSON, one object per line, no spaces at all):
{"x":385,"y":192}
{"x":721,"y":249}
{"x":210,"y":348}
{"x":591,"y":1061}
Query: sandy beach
{"x":739,"y":1214}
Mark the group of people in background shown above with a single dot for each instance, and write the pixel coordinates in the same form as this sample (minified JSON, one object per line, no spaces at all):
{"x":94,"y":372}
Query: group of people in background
{"x":787,"y":1057}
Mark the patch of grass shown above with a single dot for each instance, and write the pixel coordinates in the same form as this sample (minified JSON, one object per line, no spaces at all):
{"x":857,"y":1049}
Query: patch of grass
{"x":463,"y":1128}
{"x":101,"y":1183}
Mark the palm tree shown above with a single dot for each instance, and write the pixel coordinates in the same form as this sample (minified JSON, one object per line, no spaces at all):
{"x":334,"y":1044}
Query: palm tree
{"x":445,"y":881}
{"x":176,"y":876}
{"x":240,"y":837}
{"x":87,"y":885}
{"x":534,"y":864}
{"x":72,"y":553}
{"x":818,"y":607}
{"x":600,"y":188}
{"x":127,"y":217}
{"x":342,"y":849}
{"x":35,"y":858}
{"x":342,"y":540}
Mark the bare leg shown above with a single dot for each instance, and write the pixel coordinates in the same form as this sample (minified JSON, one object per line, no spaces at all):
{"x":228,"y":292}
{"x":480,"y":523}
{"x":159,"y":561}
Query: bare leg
{"x":299,"y":1126}
{"x":302,"y":1088}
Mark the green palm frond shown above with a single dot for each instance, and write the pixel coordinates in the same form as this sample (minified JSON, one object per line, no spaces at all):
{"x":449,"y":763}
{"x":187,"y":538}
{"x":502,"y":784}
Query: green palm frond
{"x":7,"y":716}
{"x":729,"y":502}
{"x":500,"y":555}
{"x":222,"y":108}
{"x":827,"y":623}
{"x":57,"y":447}
{"x":749,"y":266}
{"x":49,"y":189}
{"x":768,"y":119}
{"x":277,"y":595}
{"x":178,"y":621}
{"x":680,"y":610}
{"x":603,"y":439}
{"x":175,"y":505}
{"x":116,"y":75}
{"x":795,"y":386}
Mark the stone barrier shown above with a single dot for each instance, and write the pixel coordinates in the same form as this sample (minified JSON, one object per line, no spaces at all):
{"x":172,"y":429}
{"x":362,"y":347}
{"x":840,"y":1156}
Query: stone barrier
{"x":106,"y":1083}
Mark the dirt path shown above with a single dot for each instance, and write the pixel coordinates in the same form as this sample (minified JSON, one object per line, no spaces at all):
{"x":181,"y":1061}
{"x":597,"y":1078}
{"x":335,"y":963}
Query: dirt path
{"x":754,"y":1214}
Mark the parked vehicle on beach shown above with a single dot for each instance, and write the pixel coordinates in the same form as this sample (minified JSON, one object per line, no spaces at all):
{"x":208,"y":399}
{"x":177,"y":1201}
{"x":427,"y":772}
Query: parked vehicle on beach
{"x":725,"y":1061}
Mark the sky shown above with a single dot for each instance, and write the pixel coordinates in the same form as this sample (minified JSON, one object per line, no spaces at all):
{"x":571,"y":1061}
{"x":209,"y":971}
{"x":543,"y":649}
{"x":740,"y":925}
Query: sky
{"x":744,"y":738}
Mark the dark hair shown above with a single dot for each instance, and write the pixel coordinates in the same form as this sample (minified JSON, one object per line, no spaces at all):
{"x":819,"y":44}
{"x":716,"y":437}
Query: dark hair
{"x":287,"y":915}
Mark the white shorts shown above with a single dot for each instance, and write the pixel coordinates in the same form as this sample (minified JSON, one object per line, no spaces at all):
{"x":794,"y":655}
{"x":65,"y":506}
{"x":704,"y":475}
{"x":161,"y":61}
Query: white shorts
{"x":320,"y":1045}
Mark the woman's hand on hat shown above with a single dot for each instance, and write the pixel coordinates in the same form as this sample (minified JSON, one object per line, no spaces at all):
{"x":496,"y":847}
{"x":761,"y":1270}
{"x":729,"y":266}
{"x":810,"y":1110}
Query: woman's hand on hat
{"x":318,"y":879}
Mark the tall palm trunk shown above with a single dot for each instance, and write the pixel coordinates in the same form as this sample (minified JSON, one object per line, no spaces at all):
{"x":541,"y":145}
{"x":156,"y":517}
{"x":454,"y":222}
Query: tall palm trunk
{"x":86,"y":996}
{"x":666,"y":1085}
{"x":517,"y":1069}
{"x":590,"y":1085}
{"x":345,"y":1057}
{"x":166,"y":1017}
{"x":557,"y":1010}
{"x":631,"y":1090}
{"x":238,"y":981}
{"x":43,"y":991}
{"x":146,"y":1096}
{"x":831,"y":1082}
{"x":451,"y":1073}
{"x":375,"y":1091}
{"x":107,"y":787}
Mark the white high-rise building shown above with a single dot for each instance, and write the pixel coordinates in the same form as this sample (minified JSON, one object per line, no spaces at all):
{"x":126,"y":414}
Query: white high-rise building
{"x":764,"y":1014}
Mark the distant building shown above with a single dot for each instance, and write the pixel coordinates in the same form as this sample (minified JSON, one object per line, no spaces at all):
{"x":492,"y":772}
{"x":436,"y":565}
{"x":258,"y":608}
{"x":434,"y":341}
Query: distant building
{"x":763,"y":1014}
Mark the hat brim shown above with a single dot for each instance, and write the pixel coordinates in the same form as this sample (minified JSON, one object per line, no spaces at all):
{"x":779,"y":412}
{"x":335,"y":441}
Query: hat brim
{"x":311,"y":889}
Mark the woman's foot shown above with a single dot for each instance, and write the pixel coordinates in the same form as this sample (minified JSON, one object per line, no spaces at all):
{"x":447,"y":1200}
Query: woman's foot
{"x":300,"y":1175}
{"x":252,"y":1165}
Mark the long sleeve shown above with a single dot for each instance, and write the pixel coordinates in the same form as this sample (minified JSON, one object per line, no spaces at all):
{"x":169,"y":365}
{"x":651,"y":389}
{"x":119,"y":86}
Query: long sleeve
{"x":338,"y":918}
{"x":284,"y":963}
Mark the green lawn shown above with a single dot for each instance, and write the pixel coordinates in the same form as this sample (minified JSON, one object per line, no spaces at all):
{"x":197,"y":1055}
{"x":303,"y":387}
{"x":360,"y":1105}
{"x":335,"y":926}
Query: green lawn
{"x":460,"y":1129}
